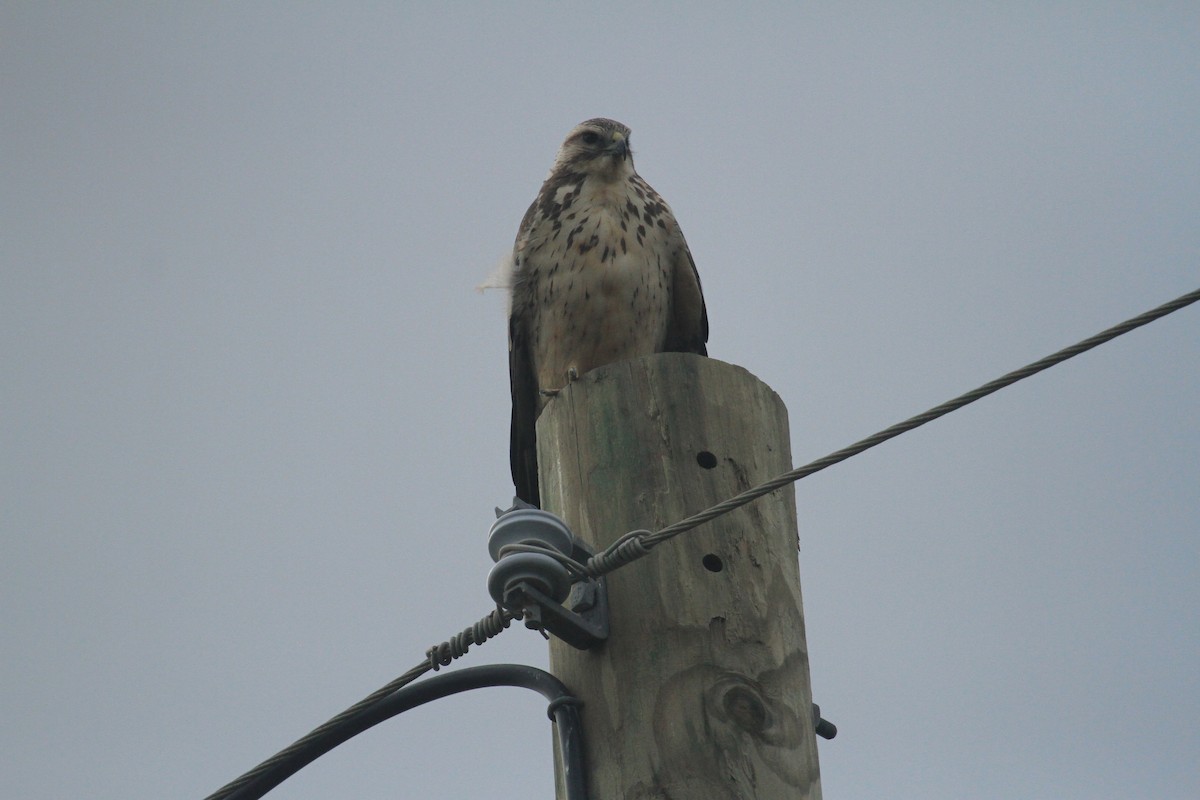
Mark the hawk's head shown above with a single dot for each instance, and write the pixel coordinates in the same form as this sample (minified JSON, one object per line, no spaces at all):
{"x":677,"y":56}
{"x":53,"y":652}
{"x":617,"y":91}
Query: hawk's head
{"x":597,"y":147}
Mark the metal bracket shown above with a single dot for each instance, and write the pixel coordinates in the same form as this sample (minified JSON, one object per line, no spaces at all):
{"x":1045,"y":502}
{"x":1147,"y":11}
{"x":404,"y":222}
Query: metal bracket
{"x":581,"y":621}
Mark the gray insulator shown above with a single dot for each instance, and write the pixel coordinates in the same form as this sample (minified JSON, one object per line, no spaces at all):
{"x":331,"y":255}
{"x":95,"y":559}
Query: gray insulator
{"x":529,"y":526}
{"x":542,"y":572}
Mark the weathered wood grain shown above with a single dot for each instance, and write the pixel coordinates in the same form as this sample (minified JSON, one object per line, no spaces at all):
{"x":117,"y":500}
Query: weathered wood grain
{"x":702,"y":691}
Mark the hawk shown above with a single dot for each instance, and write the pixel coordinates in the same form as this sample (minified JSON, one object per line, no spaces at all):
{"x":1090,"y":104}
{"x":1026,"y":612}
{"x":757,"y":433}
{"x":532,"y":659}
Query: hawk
{"x":600,"y":273}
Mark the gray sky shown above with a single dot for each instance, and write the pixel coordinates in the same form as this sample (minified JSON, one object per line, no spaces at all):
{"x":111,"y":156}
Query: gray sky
{"x":254,"y":419}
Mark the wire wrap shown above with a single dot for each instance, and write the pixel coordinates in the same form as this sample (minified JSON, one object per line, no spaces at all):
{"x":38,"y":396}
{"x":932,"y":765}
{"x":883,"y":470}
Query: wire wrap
{"x":628,"y":548}
{"x":457,"y":645}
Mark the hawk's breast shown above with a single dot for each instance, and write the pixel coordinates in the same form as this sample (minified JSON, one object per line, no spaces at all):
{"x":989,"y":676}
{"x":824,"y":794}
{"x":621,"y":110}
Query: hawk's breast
{"x":601,"y":280}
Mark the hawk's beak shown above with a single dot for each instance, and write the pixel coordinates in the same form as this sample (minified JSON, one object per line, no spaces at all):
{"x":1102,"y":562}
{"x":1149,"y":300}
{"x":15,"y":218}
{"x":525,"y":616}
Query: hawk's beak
{"x":619,"y":146}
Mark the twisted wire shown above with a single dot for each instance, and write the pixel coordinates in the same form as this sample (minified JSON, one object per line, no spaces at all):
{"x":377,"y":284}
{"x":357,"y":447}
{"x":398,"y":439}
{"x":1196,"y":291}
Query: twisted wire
{"x":656,"y":538}
{"x":636,"y":544}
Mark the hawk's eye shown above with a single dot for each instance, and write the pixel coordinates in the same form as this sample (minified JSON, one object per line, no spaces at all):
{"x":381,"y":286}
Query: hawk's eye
{"x":590,"y":137}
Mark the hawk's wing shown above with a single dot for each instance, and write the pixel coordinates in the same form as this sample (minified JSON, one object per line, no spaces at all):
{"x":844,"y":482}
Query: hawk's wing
{"x":522,"y":377}
{"x":522,"y":452}
{"x":687,"y":330}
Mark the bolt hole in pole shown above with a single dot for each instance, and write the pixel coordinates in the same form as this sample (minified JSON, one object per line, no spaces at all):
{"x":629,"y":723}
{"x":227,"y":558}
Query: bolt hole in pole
{"x":712,"y":562}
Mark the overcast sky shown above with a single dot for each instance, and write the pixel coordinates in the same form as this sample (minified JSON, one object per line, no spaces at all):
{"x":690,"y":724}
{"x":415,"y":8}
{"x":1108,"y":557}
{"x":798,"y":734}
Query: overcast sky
{"x":254,"y":417}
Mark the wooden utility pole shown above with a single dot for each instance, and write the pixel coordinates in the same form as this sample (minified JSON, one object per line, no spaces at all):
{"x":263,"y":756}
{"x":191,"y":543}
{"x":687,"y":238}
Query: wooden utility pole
{"x":702,"y":689}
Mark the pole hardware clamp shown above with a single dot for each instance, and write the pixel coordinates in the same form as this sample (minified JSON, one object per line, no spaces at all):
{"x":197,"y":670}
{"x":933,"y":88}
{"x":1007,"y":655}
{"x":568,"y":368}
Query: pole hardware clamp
{"x":825,"y":729}
{"x":538,"y":586}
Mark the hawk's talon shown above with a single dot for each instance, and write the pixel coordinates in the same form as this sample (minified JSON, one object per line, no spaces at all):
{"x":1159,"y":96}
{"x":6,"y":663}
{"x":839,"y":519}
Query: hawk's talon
{"x":572,"y":376}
